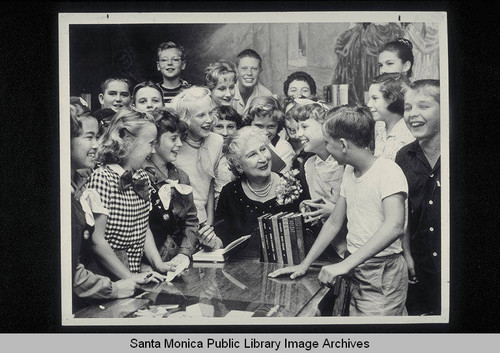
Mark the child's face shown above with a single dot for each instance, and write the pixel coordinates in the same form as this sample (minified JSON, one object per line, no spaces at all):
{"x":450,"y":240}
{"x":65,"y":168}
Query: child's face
{"x":299,"y":89}
{"x":170,"y":63}
{"x":116,"y":96}
{"x":422,"y":115}
{"x":225,"y":128}
{"x":334,"y":147}
{"x":141,"y":148}
{"x":200,"y":120}
{"x":84,"y":147}
{"x":223,"y":92}
{"x":310,"y":136}
{"x":377,"y":103}
{"x":267,"y":124}
{"x":255,"y":160}
{"x":147,"y":99}
{"x":389,"y":61}
{"x":168,"y":146}
{"x":248,"y":71}
{"x":291,"y":127}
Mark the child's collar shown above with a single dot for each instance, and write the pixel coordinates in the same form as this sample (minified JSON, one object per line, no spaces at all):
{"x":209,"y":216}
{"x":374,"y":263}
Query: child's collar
{"x":118,"y":169}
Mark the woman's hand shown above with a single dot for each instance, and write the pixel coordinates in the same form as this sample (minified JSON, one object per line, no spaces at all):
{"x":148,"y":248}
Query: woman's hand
{"x":208,"y":237}
{"x":328,"y":273}
{"x":296,"y":271}
{"x":314,"y":210}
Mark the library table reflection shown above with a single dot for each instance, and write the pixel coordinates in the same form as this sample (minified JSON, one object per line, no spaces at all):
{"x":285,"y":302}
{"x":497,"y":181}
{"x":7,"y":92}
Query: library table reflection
{"x":219,"y":289}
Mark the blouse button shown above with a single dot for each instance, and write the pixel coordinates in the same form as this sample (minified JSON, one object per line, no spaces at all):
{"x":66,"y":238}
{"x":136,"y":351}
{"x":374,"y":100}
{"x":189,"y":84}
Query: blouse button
{"x":431,"y":229}
{"x":430,"y":202}
{"x":86,"y":234}
{"x":432,"y":175}
{"x":434,"y":254}
{"x":166,"y":217}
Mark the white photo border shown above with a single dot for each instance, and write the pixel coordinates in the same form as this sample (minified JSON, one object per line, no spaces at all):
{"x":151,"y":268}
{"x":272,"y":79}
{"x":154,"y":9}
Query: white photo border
{"x":110,"y":18}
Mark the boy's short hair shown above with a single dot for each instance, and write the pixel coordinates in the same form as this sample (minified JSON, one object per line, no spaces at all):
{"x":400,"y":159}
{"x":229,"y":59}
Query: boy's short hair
{"x":300,"y":76}
{"x":391,"y":88}
{"x":266,"y":111}
{"x":169,"y":45}
{"x":105,"y":83}
{"x":308,"y":109}
{"x":428,"y":86}
{"x":248,"y":53}
{"x":226,"y":112}
{"x":352,"y":122}
{"x":216,"y":70}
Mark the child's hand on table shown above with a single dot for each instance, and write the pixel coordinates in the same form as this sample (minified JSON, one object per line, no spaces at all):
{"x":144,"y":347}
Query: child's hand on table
{"x":165,"y":267}
{"x":125,"y":288}
{"x":296,"y":271}
{"x":208,"y":237}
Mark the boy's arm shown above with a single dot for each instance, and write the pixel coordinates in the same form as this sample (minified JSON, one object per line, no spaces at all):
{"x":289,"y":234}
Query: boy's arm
{"x":328,"y":232}
{"x":391,"y":229}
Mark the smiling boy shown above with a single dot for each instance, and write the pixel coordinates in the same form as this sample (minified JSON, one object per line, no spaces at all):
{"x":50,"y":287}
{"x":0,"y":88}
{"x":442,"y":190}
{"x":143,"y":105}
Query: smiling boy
{"x":421,"y":164}
{"x":248,"y":70}
{"x":170,"y":63}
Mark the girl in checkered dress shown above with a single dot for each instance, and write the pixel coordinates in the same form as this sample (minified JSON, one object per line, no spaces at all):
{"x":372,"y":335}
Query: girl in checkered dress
{"x":122,"y":237}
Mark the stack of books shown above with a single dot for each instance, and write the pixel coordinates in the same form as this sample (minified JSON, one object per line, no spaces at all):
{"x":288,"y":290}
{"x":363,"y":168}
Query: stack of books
{"x":282,"y":237}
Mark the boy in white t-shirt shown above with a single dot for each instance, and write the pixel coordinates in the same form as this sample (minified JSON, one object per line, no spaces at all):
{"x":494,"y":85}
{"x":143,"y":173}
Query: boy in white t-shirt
{"x":372,"y":197}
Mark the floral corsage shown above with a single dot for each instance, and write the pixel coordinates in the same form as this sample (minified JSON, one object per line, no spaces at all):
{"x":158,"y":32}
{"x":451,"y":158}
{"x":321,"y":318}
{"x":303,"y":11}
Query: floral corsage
{"x":289,"y":188}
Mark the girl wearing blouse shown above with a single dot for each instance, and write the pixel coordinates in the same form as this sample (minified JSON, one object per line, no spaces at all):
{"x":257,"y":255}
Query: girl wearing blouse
{"x":201,"y":151}
{"x":173,"y":220}
{"x":386,"y":103}
{"x":86,"y":284}
{"x":252,"y":194}
{"x":122,"y":235}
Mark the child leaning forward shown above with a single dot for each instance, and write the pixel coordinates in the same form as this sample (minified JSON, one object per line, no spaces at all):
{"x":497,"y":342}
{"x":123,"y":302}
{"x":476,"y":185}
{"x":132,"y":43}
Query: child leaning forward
{"x":122,"y":237}
{"x":372,"y":196}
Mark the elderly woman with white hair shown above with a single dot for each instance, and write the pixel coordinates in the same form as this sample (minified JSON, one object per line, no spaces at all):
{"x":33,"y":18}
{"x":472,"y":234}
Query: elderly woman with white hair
{"x":252,"y":194}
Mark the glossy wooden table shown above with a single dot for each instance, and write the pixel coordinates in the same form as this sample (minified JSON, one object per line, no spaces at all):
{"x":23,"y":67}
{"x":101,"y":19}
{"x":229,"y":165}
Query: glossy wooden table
{"x":216,"y":289}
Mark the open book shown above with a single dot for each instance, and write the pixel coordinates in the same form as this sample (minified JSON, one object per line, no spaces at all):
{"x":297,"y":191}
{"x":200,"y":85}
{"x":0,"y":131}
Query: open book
{"x":220,"y":255}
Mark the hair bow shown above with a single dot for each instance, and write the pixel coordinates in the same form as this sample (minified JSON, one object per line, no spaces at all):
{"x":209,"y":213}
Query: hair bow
{"x":140,"y":186}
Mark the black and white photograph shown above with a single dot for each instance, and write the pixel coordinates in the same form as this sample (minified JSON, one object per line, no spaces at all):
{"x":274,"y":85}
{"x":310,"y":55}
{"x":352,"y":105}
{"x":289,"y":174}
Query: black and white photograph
{"x":254,"y":168}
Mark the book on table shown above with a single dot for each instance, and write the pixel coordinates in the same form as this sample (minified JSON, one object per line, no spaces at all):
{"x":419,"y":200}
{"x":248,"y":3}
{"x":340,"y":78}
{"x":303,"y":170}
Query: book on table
{"x":282,"y":238}
{"x":221,"y":255}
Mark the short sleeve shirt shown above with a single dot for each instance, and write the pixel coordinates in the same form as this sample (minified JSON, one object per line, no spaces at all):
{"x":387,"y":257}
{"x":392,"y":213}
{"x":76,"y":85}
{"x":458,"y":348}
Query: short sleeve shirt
{"x":364,"y":197}
{"x":128,"y":218}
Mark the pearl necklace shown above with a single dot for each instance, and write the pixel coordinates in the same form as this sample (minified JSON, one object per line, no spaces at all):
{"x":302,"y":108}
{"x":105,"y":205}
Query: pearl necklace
{"x":261,"y":192}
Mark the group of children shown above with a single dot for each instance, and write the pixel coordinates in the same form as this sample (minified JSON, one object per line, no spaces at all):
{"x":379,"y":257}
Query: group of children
{"x":148,"y":166}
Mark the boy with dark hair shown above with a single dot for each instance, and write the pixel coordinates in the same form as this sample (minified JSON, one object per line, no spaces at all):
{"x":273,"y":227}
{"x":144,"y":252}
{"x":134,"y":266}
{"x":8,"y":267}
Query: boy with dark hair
{"x":171,"y":62}
{"x":372,"y":197}
{"x":248,"y":70}
{"x":421,"y":163}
